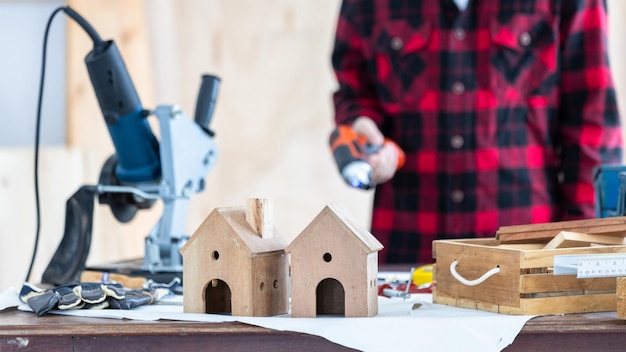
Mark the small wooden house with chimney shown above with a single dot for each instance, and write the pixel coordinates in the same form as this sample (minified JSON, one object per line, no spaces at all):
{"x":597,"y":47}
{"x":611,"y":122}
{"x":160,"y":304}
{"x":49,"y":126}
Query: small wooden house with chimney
{"x":234,"y":264}
{"x":334,"y":267}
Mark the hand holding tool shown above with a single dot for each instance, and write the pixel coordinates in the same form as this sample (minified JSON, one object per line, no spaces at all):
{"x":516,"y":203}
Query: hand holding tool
{"x":350,"y":151}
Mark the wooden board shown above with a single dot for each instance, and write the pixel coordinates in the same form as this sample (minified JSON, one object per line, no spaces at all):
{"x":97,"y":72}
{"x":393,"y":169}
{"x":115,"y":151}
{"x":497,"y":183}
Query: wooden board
{"x":614,"y":226}
{"x":621,"y":297}
{"x":568,"y":239}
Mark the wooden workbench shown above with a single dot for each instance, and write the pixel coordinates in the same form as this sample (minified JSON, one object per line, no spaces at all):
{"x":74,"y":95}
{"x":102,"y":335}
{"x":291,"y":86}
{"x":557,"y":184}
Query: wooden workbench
{"x":575,"y":332}
{"x":66,"y":333}
{"x":572,"y":332}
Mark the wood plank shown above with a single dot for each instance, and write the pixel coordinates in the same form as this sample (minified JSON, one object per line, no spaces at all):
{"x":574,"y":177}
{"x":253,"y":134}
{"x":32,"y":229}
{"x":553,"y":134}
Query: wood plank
{"x":562,"y":305}
{"x":562,"y":225}
{"x":440,"y":297}
{"x":522,"y":246}
{"x":620,"y":292}
{"x":545,"y":258}
{"x":568,"y":304}
{"x":543,"y":283}
{"x":620,"y":287}
{"x":568,"y":239}
{"x":260,"y":215}
{"x":547,"y":235}
{"x":487,"y":307}
{"x":613,"y":226}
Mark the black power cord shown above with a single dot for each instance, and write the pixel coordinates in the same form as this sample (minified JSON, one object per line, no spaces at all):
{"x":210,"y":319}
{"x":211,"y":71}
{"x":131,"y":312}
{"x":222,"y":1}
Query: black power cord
{"x":98,"y":45}
{"x":37,"y":129}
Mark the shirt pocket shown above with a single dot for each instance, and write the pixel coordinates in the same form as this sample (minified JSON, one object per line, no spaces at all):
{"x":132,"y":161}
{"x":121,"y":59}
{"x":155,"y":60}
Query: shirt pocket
{"x":400,"y":60}
{"x":524,"y":55}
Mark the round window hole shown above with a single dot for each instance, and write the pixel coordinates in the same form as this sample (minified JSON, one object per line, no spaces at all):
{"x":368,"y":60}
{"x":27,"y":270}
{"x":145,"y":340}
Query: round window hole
{"x":327,"y":257}
{"x":262,"y":286}
{"x":216,"y":255}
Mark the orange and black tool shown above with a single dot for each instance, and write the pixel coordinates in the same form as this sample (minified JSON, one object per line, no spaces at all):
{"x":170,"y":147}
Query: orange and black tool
{"x":350,"y":151}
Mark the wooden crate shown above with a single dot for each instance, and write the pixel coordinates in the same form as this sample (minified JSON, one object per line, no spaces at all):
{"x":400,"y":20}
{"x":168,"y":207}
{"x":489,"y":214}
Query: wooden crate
{"x":524,"y":284}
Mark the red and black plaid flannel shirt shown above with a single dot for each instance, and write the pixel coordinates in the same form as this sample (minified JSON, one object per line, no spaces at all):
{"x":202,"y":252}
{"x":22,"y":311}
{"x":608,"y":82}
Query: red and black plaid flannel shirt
{"x":503,"y":111}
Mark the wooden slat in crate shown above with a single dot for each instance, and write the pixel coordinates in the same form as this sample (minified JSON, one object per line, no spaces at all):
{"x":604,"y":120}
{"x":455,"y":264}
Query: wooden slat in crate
{"x":613,"y":226}
{"x":537,"y":306}
{"x":621,"y":297}
{"x":544,"y":283}
{"x":568,"y":239}
{"x":524,"y":285}
{"x":586,"y":303}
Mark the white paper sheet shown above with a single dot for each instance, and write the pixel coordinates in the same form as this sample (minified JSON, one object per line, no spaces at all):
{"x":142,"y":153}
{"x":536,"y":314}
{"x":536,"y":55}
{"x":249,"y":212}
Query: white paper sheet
{"x":9,"y":298}
{"x":431,"y":327}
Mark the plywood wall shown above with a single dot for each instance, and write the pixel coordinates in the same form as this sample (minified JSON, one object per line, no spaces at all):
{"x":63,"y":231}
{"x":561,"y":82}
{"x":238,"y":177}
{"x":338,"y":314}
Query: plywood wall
{"x":272,"y":121}
{"x":61,"y":170}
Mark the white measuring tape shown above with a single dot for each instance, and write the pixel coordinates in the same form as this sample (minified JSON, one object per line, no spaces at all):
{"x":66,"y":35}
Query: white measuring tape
{"x":591,"y":265}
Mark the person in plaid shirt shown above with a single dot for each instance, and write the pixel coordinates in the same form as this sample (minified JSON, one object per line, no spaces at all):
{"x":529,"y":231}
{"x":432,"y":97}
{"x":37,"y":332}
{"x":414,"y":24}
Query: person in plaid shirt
{"x":503,"y":109}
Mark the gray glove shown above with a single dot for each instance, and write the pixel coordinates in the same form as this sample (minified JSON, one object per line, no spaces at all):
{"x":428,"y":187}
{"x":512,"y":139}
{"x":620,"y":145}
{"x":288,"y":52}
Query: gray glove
{"x":136,"y":298}
{"x":43,"y":301}
{"x":88,"y":295}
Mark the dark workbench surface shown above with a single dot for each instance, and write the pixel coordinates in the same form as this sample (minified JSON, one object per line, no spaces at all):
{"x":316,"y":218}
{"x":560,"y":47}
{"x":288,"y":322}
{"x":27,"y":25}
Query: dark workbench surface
{"x":26,"y":331}
{"x":573,"y":332}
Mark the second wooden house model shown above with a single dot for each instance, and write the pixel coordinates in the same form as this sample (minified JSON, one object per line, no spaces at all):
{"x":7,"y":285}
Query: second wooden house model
{"x":334,"y":267}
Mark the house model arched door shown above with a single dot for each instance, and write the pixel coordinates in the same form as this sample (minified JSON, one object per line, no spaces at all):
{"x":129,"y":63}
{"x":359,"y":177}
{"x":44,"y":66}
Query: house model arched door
{"x":330,"y":298}
{"x":217,"y":297}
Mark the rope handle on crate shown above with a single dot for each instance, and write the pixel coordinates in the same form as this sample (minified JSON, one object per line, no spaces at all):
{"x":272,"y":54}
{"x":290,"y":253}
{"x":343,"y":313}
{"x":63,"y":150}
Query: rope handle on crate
{"x":467,"y":282}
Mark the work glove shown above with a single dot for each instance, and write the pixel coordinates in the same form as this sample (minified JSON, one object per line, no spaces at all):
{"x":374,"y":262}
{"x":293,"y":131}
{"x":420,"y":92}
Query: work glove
{"x":68,"y":299}
{"x":96,"y":295}
{"x":88,"y":295}
{"x":38,"y":300}
{"x":136,"y":298}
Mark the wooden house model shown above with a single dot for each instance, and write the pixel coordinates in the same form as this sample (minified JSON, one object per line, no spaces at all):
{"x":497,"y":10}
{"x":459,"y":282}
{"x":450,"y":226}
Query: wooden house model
{"x":234,"y":264}
{"x":334,"y":267}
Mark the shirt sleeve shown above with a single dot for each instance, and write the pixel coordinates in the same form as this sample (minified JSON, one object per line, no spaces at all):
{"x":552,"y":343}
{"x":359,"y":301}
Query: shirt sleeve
{"x":590,"y":132}
{"x":355,"y":95}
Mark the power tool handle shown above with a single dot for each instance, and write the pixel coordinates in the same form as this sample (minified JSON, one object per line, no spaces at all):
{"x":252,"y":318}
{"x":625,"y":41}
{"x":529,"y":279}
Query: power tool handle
{"x":347,"y":146}
{"x":207,"y":97}
{"x":111,"y":82}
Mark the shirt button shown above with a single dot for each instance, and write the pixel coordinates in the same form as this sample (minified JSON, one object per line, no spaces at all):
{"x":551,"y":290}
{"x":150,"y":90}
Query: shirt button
{"x":396,"y":43}
{"x":458,"y":88}
{"x":457,"y":196}
{"x":459,"y":34}
{"x":456,"y":142}
{"x":525,"y":39}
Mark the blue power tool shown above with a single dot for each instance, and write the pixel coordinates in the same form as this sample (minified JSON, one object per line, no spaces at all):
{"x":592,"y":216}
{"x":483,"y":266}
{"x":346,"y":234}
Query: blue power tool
{"x":143,"y":169}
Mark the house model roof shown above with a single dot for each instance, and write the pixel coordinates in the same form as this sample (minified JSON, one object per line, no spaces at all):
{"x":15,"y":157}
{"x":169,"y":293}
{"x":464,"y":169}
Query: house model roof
{"x":363,"y":237}
{"x":233,"y":220}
